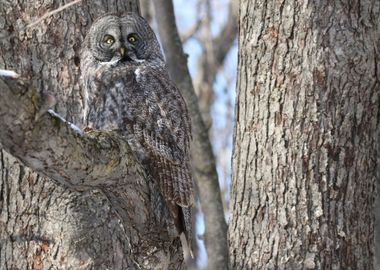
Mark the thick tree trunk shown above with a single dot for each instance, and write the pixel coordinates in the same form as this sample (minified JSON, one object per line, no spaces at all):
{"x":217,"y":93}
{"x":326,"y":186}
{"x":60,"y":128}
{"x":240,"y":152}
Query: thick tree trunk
{"x":306,"y":135}
{"x":44,"y":224}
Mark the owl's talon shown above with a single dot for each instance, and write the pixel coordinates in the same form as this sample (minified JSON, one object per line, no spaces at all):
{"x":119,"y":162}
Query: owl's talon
{"x":87,"y":129}
{"x":47,"y":102}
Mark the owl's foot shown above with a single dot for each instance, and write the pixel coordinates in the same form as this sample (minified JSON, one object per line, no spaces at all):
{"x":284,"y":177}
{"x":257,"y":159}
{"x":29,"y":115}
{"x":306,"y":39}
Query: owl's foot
{"x":47,"y":102}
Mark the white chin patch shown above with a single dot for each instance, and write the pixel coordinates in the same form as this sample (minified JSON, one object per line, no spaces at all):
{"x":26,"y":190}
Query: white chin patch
{"x":139,"y":60}
{"x":113,"y":61}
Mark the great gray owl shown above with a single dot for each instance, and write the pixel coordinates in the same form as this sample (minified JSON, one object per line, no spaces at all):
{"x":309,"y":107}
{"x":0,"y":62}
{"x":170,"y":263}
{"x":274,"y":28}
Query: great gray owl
{"x":127,"y":88}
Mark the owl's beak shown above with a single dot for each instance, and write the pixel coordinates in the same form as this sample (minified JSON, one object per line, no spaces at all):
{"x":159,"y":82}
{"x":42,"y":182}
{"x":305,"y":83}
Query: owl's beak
{"x":122,"y":51}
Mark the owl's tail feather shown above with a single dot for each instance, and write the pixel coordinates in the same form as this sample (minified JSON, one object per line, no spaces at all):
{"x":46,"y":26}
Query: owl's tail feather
{"x":186,"y":216}
{"x":183,"y":184}
{"x":165,"y":180}
{"x":182,"y":217}
{"x":176,"y":187}
{"x":183,"y":187}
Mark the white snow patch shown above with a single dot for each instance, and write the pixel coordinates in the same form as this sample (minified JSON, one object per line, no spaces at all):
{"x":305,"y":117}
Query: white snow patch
{"x":8,"y":73}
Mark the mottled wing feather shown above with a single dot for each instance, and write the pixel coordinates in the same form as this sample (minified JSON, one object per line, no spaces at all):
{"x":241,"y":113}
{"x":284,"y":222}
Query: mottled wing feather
{"x":168,"y":140}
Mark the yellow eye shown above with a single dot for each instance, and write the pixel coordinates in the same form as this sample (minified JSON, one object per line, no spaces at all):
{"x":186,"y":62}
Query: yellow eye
{"x":109,"y":39}
{"x":132,"y":38}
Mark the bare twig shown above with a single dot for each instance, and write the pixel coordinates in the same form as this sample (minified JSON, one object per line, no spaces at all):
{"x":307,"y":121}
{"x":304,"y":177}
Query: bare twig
{"x":189,"y":33}
{"x":198,"y":24}
{"x":224,"y":41}
{"x":46,"y":15}
{"x":51,"y":13}
{"x":95,"y":159}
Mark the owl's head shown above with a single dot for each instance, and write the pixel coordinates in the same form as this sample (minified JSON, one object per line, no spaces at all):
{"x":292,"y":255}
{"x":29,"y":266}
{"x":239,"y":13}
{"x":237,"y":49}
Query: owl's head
{"x":129,"y":37}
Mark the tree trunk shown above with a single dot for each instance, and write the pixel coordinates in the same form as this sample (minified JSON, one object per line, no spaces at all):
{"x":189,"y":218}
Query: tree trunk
{"x":203,"y":160}
{"x":47,"y":225}
{"x":306,"y":135}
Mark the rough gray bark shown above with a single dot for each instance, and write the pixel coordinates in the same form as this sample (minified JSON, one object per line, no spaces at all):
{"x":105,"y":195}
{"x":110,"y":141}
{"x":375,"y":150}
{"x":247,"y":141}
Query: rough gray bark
{"x":306,"y":135}
{"x":106,"y":214}
{"x":203,"y":161}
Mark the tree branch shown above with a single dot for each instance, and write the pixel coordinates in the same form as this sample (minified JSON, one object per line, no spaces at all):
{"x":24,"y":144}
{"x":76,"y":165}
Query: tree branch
{"x":203,"y":159}
{"x":189,"y":33}
{"x":224,"y":41}
{"x":197,"y":25}
{"x":122,"y":221}
{"x":212,"y":58}
{"x":95,"y":159}
{"x":53,"y":147}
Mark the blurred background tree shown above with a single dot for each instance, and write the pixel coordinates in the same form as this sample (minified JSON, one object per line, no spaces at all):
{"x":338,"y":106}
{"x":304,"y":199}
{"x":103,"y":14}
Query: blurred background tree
{"x":211,"y":43}
{"x":208,"y":30}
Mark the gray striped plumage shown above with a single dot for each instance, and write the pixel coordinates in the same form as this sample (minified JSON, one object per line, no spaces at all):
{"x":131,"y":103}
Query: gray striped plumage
{"x":131,"y":92}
